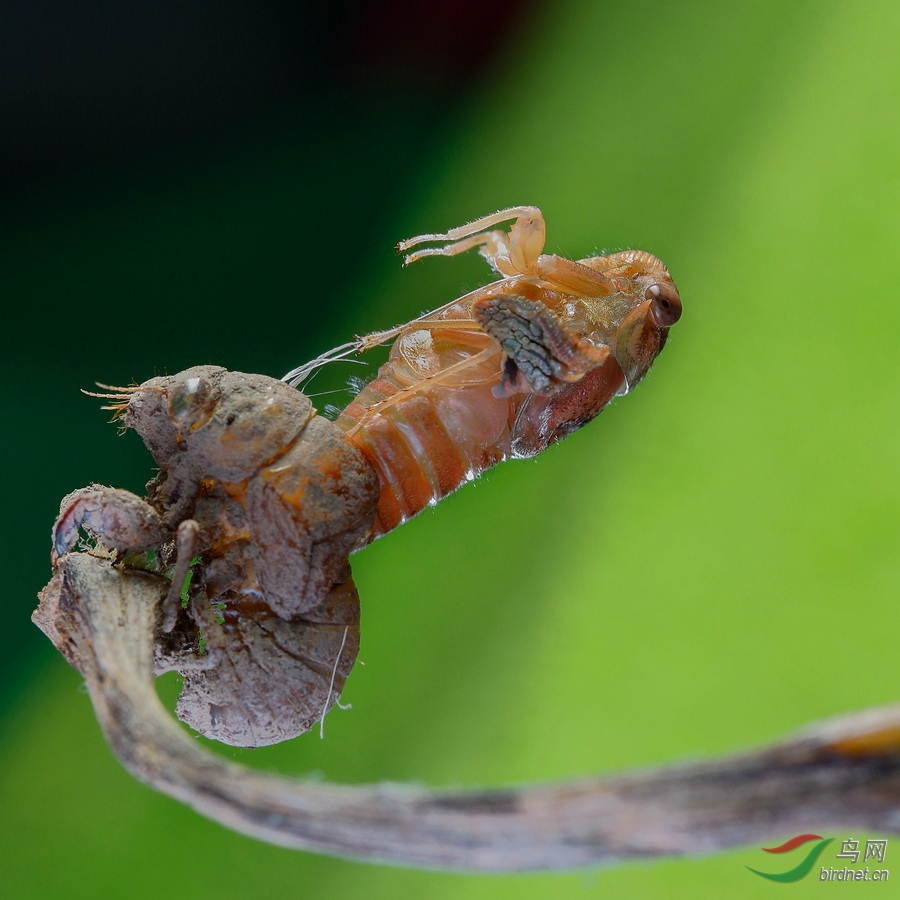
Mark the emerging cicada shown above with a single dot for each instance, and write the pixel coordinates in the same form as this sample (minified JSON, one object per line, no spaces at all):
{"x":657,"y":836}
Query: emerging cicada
{"x":269,"y":499}
{"x":507,"y":369}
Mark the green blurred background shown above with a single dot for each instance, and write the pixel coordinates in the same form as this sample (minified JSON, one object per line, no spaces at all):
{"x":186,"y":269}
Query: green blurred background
{"x":711,"y":563}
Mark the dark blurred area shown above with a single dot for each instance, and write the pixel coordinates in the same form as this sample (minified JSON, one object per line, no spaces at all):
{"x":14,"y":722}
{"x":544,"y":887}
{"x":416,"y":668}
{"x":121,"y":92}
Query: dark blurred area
{"x":90,"y":87}
{"x":192,"y":183}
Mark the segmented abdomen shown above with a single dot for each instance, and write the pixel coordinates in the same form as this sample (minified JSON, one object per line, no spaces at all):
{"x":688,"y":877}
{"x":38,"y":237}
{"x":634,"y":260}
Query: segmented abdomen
{"x":423,"y":438}
{"x":429,"y":421}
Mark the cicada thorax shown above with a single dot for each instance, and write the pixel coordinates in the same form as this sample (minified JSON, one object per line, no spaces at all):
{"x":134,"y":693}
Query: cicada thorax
{"x":436,"y":415}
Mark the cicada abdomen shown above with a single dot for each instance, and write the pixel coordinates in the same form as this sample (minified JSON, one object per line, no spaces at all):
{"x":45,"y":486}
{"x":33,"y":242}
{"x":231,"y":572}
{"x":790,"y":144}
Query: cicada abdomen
{"x":508,"y":369}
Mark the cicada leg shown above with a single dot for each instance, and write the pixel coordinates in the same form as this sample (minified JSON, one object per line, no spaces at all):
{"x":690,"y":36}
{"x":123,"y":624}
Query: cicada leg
{"x":425,"y":323}
{"x":122,"y":520}
{"x":434,"y":318}
{"x":438,"y":318}
{"x":510,"y":253}
{"x":568,"y":277}
{"x":186,"y":548}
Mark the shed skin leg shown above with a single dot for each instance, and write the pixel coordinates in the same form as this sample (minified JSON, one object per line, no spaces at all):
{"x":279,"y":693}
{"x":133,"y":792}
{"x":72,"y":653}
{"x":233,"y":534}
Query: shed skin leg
{"x":122,"y":519}
{"x":186,"y":548}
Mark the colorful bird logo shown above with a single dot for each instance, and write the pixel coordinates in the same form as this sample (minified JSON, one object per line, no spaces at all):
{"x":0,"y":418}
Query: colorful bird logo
{"x":803,"y":868}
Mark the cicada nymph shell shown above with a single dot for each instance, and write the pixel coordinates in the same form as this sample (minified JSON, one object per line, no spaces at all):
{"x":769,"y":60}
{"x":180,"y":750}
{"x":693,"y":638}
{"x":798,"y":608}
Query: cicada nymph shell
{"x":276,"y":500}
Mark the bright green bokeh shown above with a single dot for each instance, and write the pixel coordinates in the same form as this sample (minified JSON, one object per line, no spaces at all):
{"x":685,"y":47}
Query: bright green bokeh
{"x":710,"y":564}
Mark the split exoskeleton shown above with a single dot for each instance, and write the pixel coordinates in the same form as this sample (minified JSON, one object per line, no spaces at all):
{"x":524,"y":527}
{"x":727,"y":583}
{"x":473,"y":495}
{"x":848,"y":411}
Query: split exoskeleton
{"x":272,"y":500}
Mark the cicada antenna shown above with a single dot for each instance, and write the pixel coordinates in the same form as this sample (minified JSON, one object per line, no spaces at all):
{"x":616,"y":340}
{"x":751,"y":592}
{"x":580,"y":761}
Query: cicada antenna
{"x":113,"y":392}
{"x":122,"y":396}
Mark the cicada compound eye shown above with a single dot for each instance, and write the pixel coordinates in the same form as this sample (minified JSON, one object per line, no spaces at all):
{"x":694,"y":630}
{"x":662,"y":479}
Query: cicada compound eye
{"x":665,"y":309}
{"x":189,"y":400}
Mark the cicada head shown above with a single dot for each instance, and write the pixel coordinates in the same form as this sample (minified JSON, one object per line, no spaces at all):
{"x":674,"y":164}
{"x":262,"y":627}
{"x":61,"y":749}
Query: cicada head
{"x":229,"y":422}
{"x":638,"y":315}
{"x":163,"y":409}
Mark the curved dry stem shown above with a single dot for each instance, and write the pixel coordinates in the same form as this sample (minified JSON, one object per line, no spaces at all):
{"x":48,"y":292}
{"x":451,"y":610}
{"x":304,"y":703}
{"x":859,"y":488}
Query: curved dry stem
{"x":840,"y":775}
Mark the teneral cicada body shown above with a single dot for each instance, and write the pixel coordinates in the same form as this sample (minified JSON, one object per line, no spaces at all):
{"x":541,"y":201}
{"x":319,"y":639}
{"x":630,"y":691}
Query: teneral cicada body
{"x":508,"y":369}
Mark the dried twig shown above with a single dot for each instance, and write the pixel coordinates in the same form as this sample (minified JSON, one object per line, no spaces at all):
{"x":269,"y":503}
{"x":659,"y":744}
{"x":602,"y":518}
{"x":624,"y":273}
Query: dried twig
{"x":840,"y":775}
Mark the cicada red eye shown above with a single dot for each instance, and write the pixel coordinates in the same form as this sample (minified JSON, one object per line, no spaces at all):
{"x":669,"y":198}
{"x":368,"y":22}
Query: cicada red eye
{"x":665,"y":304}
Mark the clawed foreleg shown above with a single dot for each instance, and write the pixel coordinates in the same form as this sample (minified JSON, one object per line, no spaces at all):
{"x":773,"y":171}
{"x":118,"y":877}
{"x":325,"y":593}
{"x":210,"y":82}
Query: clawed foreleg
{"x":120,"y":519}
